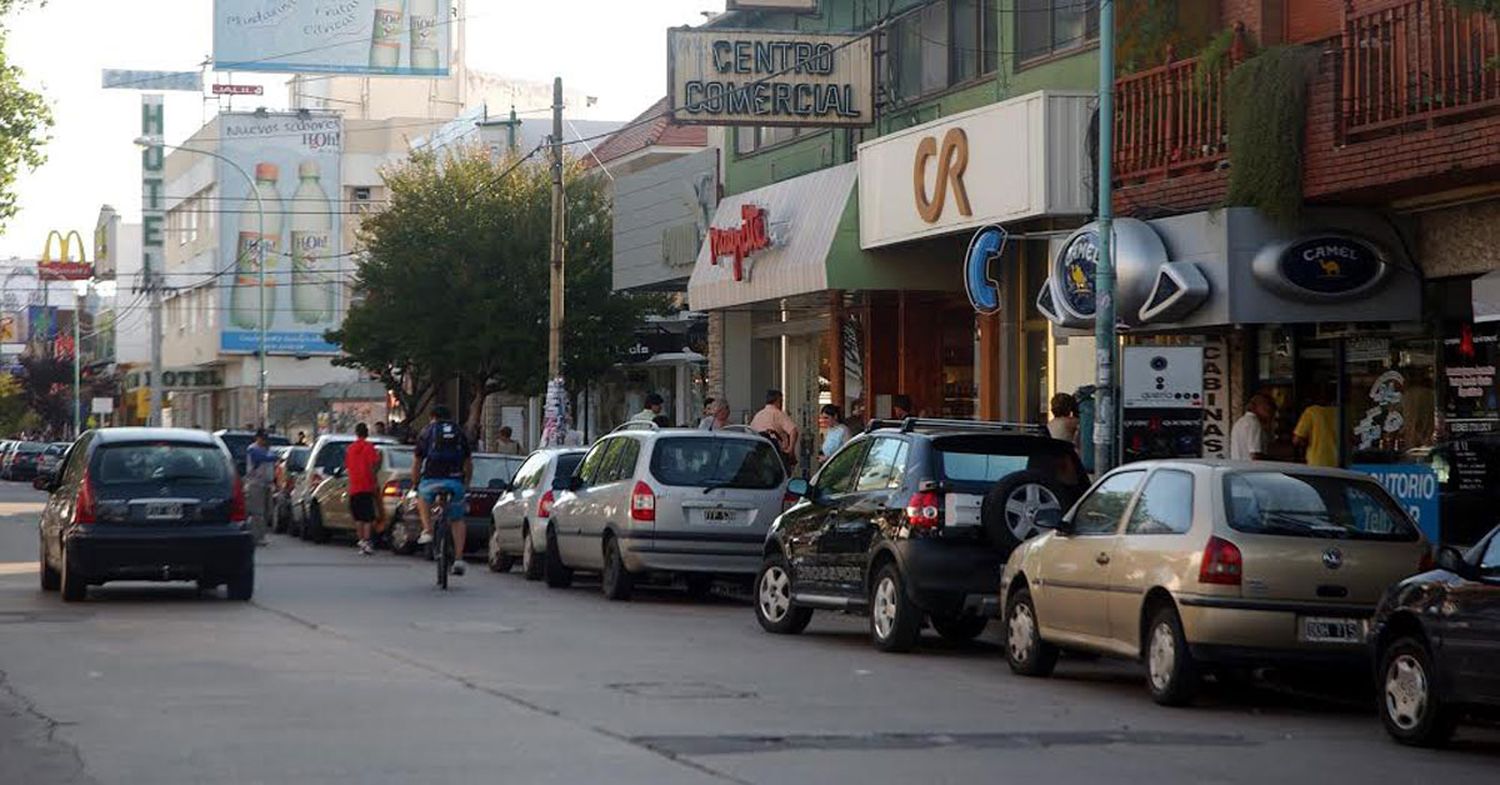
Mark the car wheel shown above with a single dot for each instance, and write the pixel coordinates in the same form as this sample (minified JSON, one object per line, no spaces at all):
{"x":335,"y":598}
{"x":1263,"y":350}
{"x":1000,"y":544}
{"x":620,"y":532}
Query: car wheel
{"x":499,"y":561}
{"x":1008,"y":512}
{"x":51,"y":579}
{"x":959,"y":628}
{"x":316,"y":532}
{"x":242,"y":587}
{"x":1025,"y":651}
{"x":774,"y":608}
{"x":616,"y":581}
{"x":1170,"y":671}
{"x":894,"y":621}
{"x":531,"y":566}
{"x":74,"y":585}
{"x":558,"y":575}
{"x":1410,"y":706}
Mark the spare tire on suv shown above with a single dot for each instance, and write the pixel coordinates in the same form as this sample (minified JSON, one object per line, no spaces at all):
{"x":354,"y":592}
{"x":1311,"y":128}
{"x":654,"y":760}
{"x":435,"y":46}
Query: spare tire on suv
{"x":1008,"y":513}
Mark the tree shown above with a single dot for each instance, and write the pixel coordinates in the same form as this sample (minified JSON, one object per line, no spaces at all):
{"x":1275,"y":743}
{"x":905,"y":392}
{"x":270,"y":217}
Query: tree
{"x":455,"y":279}
{"x":47,"y":387}
{"x":12,"y":405}
{"x":24,"y":121}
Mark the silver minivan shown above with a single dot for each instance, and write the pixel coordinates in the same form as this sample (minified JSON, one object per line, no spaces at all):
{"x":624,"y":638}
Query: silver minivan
{"x":671,"y":501}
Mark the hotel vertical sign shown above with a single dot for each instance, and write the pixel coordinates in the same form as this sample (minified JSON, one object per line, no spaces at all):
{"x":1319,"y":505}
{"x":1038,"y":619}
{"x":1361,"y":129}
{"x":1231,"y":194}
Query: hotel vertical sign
{"x":153,"y":200}
{"x":754,"y":77}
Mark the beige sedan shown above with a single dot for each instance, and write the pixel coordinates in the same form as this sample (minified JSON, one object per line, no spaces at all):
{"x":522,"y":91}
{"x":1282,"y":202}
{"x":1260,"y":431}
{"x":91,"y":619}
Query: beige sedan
{"x":1194,"y":564}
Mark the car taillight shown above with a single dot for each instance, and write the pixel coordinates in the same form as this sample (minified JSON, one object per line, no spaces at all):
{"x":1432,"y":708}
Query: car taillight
{"x":544,"y":505}
{"x":1222,"y":563}
{"x":83,"y":505}
{"x":788,"y":500}
{"x":924,"y":510}
{"x":237,"y":511}
{"x":391,"y":489}
{"x":642,"y":503}
{"x":1426,"y":562}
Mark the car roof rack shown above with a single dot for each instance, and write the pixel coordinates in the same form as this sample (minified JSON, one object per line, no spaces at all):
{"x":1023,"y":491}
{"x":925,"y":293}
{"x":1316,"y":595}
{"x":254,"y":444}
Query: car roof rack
{"x":636,"y":425}
{"x":910,"y":424}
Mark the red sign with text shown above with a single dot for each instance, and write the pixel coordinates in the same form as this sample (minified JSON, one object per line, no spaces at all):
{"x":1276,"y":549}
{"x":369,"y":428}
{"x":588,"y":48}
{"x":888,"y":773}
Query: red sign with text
{"x":749,"y":237}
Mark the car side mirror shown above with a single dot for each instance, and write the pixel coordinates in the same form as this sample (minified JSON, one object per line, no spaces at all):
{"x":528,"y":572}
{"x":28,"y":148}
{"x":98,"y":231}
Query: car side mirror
{"x":1449,"y":558}
{"x":798,"y":487}
{"x":1048,"y":518}
{"x":44,"y":482}
{"x":575,"y":483}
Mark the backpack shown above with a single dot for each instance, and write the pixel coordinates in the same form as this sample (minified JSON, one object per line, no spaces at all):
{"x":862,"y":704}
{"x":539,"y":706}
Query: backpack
{"x":446,"y":445}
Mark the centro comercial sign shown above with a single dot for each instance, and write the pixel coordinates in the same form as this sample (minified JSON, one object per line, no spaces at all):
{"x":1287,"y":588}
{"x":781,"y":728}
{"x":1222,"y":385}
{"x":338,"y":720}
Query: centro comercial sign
{"x":754,"y":77}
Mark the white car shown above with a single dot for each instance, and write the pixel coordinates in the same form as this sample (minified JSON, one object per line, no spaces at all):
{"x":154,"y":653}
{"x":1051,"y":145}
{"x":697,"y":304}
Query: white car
{"x":517,"y":518}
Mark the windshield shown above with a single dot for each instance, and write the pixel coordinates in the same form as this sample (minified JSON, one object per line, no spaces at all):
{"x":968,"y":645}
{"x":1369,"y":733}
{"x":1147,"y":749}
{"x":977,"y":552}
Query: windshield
{"x":159,"y":462}
{"x":1308,"y":505}
{"x":723,"y":463}
{"x":493,"y":471}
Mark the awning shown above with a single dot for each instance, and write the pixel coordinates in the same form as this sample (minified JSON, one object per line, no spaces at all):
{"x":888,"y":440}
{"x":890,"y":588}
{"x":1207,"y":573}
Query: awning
{"x":782,"y":233}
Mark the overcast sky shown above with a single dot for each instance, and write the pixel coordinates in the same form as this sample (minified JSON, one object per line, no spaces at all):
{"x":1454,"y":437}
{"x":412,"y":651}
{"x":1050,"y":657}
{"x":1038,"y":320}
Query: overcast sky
{"x":613,"y":49}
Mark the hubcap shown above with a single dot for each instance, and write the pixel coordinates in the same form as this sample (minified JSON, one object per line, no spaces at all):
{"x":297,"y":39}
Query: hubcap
{"x":1163,"y":656}
{"x":1406,"y":692}
{"x":775,"y":594}
{"x":1022,"y":506}
{"x":1022,"y":635}
{"x":884,"y":612}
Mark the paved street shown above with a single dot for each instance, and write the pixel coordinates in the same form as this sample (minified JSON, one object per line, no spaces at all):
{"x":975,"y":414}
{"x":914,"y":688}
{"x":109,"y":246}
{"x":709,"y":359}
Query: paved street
{"x":355,"y":670}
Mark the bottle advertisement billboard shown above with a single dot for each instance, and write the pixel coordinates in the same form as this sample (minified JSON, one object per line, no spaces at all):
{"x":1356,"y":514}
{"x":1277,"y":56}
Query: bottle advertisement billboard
{"x":295,"y":227}
{"x":370,"y":37}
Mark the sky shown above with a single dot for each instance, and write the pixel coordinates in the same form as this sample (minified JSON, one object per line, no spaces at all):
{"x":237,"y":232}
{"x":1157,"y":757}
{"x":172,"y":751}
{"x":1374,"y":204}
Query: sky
{"x":612,"y":49}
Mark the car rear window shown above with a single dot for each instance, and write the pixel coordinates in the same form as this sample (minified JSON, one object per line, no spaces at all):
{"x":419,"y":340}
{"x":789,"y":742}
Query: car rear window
{"x":399,"y":459}
{"x":159,"y":463}
{"x":492,"y":472}
{"x":726,"y":463}
{"x":567,"y":464}
{"x":32,"y":447}
{"x":985,"y":460}
{"x":1311,"y":505}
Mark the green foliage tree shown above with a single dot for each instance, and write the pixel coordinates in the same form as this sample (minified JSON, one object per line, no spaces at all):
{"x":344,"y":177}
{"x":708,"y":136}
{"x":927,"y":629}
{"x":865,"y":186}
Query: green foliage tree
{"x":24,"y":122}
{"x":1267,"y":99}
{"x":12,"y":405}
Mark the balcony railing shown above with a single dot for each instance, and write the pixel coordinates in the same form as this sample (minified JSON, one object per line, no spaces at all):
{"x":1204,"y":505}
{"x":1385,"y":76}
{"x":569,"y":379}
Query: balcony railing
{"x":1417,"y":62}
{"x":1169,"y":120}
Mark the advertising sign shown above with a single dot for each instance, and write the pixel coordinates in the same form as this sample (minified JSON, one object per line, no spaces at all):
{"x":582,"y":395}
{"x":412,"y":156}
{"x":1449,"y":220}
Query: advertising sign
{"x":57,"y":263}
{"x":801,"y":6}
{"x":391,"y":37}
{"x":1162,"y":377}
{"x":187,"y":81}
{"x":755,"y":77}
{"x":295,"y":161}
{"x":238,"y":89}
{"x":1415,"y":488}
{"x":1322,"y":267}
{"x":1160,"y":433}
{"x":1471,"y":402}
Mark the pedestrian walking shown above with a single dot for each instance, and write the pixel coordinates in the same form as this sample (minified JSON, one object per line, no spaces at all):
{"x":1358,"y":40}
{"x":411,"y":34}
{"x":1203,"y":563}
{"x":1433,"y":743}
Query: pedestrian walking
{"x":260,"y":473}
{"x":360,"y":464}
{"x":654,"y":403}
{"x":835,"y":432}
{"x":772,"y":422}
{"x":506,"y":445}
{"x":1249,"y":439}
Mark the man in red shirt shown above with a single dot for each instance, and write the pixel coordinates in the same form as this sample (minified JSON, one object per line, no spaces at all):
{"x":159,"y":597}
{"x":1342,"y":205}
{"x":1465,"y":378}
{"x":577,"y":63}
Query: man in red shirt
{"x":360,"y":462}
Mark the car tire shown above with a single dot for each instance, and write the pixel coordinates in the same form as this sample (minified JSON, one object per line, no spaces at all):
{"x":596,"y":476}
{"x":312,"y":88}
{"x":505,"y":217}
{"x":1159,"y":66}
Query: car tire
{"x":315,"y":529}
{"x":1171,"y":674}
{"x":1025,"y":651}
{"x":895,"y":622}
{"x":499,"y":561}
{"x":616,"y":581}
{"x":74,"y":585}
{"x":1411,"y":707}
{"x":531,"y":562}
{"x":241,"y":587}
{"x":960,"y":629}
{"x":558,"y":575}
{"x":1008,"y":512}
{"x":51,"y":578}
{"x":774,"y":608}
{"x":304,"y":526}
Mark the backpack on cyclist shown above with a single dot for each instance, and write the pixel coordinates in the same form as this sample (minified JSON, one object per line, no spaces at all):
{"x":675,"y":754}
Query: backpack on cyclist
{"x":446,"y":444}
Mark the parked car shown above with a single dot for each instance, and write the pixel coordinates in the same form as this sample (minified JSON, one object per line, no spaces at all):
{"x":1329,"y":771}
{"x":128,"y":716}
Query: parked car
{"x":24,"y":459}
{"x":493,"y":473}
{"x":1436,"y":640}
{"x":291,"y":460}
{"x":238,"y":441}
{"x":912,"y":521}
{"x":156,"y":504}
{"x":525,"y":506}
{"x":1190,"y":565}
{"x":325,"y":509}
{"x":51,"y":457}
{"x":330,"y":500}
{"x":648,"y":502}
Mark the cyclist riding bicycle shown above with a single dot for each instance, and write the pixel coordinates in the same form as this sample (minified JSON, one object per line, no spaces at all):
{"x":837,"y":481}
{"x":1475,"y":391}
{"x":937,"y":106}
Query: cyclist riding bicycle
{"x":443,"y":462}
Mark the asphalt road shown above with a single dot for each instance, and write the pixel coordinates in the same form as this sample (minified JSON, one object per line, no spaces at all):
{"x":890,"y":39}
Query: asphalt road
{"x":356,"y":670}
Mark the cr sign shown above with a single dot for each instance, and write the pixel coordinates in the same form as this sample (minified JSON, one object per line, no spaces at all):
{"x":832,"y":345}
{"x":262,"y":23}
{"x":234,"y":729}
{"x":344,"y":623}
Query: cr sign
{"x":953,"y":159}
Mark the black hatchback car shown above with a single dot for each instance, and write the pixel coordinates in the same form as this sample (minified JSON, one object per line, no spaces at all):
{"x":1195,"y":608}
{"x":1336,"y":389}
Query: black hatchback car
{"x":912,"y":521}
{"x":1437,"y":645}
{"x":153,"y":504}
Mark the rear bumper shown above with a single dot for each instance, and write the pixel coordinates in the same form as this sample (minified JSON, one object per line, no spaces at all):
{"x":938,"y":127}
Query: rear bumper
{"x":161,"y":554}
{"x":722,"y":553}
{"x":951,"y":578}
{"x":1235,"y":631}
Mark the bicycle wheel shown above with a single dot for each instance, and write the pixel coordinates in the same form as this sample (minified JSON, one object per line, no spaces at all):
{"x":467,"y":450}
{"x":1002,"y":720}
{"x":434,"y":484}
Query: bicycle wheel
{"x":443,"y":540}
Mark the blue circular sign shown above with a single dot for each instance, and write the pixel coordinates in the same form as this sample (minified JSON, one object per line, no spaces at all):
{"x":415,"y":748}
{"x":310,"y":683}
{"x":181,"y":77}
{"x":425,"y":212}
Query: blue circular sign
{"x":1075,"y":272}
{"x":1330,"y":265}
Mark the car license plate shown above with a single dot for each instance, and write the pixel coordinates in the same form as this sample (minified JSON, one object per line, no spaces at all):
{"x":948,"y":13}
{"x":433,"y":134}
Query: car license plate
{"x":1322,"y":629}
{"x":719,"y":516}
{"x":163,"y":511}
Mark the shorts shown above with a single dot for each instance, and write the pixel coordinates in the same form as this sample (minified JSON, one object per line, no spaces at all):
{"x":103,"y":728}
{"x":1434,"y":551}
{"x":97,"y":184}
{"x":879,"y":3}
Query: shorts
{"x":429,"y":487}
{"x":362,"y":507}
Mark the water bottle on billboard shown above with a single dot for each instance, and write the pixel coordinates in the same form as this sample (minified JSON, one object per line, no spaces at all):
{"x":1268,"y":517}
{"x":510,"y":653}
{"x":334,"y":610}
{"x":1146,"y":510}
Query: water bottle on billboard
{"x":312,"y":234}
{"x":424,"y":35}
{"x":244,"y":306}
{"x":385,"y":36}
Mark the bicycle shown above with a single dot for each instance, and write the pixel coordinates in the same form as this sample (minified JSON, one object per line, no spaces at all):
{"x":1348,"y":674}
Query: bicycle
{"x":442,"y":541}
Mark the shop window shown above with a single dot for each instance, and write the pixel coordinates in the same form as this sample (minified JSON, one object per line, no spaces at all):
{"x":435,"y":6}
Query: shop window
{"x":1049,"y":27}
{"x":1389,"y":398}
{"x":942,"y":45}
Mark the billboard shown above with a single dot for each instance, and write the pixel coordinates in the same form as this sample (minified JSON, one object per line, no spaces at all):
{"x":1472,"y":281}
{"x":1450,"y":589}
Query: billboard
{"x":756,"y":77}
{"x":390,"y":37}
{"x":64,"y":267}
{"x":295,"y":161}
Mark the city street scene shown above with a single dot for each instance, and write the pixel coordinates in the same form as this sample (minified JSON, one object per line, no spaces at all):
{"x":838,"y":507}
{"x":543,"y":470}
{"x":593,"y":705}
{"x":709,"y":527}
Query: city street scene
{"x":749,"y":391}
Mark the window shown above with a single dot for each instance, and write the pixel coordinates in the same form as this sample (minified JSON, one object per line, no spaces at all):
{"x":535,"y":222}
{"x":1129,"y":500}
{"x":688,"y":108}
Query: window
{"x":397,"y":458}
{"x":1310,"y":505}
{"x":620,"y":465}
{"x":887,"y":456}
{"x":167,"y":464}
{"x":701,"y":462}
{"x":566,"y":465}
{"x":590,"y":465}
{"x":749,"y":139}
{"x":1165,"y":506}
{"x":942,"y":45}
{"x":1100,"y":511}
{"x":1048,"y":27}
{"x":837,"y":476}
{"x":530,"y":472}
{"x":331,"y":457}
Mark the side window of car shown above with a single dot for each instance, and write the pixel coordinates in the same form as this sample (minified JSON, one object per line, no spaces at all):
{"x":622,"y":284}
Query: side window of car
{"x":590,"y":466}
{"x":1101,"y":510}
{"x":1490,"y":561}
{"x":72,"y":471}
{"x":837,"y":476}
{"x":880,"y":465}
{"x":1165,"y":506}
{"x":624,"y":459}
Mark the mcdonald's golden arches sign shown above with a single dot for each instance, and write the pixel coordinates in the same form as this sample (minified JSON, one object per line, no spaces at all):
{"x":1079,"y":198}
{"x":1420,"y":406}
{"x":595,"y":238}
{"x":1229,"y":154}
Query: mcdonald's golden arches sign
{"x":62,"y":266}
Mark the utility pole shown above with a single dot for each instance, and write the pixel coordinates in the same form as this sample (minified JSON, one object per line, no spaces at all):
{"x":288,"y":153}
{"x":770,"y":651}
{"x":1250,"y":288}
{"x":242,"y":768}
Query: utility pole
{"x":1104,"y":269}
{"x":559,"y":227}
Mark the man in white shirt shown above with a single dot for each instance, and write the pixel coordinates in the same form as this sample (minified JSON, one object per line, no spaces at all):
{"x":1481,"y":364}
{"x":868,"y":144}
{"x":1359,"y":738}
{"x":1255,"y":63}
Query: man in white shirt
{"x":774,"y":421}
{"x":1250,"y":437}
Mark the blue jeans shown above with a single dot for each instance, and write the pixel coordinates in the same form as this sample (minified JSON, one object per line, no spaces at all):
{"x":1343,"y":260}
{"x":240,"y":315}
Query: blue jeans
{"x":428,"y":490}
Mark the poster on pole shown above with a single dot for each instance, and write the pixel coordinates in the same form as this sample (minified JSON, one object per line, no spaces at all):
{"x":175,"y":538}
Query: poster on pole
{"x":368,"y":37}
{"x":294,"y":160}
